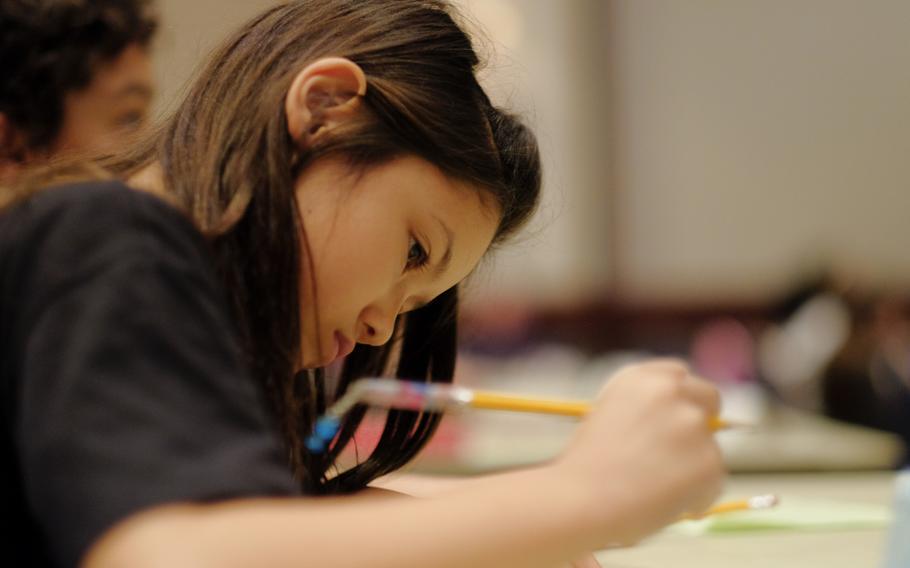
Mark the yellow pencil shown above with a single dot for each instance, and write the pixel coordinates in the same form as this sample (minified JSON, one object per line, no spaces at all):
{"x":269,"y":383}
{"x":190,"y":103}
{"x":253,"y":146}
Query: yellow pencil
{"x":407,"y":395}
{"x":752,"y":503}
{"x":499,"y":401}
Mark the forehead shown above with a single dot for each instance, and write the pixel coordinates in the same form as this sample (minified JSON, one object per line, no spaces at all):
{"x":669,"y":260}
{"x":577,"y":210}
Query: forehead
{"x":463,"y":212}
{"x":426,"y":189}
{"x":130,"y":73}
{"x":126,"y":79}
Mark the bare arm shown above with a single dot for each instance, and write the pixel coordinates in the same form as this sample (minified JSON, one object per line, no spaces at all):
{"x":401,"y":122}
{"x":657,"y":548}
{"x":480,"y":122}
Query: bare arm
{"x":421,"y":485}
{"x":643,"y":456}
{"x":507,"y":521}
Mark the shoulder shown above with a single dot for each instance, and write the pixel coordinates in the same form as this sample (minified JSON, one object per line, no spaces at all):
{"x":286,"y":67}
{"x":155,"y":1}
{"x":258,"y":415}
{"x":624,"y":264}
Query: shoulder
{"x":78,"y":218}
{"x":89,"y":205}
{"x":75,"y":234}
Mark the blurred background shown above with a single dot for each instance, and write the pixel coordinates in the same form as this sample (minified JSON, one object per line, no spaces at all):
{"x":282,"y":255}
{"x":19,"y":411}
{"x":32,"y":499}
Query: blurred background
{"x":725,"y":182}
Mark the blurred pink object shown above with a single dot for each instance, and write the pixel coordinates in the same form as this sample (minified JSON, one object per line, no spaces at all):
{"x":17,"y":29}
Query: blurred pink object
{"x":723,"y":350}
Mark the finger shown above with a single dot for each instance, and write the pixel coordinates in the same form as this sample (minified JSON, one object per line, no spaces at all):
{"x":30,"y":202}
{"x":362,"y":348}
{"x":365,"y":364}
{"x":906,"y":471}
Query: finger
{"x":702,"y":393}
{"x":587,"y":562}
{"x":662,"y":367}
{"x":666,"y":366}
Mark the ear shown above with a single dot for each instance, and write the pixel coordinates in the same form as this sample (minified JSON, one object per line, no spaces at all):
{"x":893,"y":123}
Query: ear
{"x":323,"y":95}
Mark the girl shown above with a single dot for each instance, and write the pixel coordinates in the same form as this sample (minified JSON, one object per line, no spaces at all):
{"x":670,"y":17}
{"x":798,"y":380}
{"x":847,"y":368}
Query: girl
{"x":333,"y":174}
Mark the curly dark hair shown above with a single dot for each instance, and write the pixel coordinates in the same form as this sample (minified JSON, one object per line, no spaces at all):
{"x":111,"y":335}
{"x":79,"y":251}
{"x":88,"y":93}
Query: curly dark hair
{"x":49,"y":48}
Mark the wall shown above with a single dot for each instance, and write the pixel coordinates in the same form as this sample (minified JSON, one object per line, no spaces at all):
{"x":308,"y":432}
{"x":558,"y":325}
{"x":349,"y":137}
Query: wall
{"x":188,"y":31}
{"x":755,"y":140}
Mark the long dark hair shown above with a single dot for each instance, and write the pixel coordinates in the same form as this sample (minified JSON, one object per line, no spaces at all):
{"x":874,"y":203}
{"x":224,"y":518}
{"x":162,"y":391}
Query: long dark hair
{"x":227,"y":158}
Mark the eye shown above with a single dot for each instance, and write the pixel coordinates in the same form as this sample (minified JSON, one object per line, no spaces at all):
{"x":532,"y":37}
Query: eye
{"x":417,"y":255}
{"x":130,"y":120}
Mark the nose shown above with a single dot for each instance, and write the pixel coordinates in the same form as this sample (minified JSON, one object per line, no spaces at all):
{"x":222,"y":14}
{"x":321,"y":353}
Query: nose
{"x":377,"y":325}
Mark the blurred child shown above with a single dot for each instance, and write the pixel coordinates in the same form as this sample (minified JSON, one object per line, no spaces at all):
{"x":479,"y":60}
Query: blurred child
{"x":76,"y":77}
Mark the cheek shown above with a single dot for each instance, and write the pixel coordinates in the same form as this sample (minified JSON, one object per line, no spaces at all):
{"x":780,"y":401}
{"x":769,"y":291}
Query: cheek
{"x":352,"y":272}
{"x":85,"y":129}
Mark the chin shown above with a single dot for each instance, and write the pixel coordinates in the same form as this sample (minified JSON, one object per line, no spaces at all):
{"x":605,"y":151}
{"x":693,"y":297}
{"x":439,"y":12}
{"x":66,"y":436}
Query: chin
{"x":309,"y":363}
{"x":317,"y":365}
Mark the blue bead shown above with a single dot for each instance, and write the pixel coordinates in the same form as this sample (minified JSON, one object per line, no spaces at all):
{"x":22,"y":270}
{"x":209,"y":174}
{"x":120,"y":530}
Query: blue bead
{"x":326,"y":427}
{"x":315,"y":444}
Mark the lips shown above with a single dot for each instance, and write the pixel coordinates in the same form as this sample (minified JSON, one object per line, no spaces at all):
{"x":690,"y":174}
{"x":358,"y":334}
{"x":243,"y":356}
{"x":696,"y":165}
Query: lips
{"x":345,"y":346}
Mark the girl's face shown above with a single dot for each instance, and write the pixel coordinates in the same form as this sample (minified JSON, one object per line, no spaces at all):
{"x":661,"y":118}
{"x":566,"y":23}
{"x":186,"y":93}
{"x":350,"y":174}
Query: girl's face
{"x":381,"y":244}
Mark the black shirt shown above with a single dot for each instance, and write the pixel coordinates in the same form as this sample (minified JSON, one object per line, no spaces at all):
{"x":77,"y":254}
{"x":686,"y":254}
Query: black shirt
{"x":122,"y":382}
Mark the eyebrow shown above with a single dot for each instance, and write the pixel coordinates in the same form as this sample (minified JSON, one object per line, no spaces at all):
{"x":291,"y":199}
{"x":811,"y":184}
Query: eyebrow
{"x":446,"y":259}
{"x":134,"y":89}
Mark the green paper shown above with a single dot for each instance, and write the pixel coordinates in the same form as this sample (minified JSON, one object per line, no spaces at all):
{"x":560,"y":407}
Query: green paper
{"x":793,"y":514}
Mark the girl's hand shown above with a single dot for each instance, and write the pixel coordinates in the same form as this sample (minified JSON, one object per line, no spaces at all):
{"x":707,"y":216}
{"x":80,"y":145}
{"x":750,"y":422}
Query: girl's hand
{"x":587,"y":562}
{"x":645,"y":455}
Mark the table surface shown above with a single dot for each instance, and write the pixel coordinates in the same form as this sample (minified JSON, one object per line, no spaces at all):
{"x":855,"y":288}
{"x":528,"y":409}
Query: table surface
{"x":860,"y":548}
